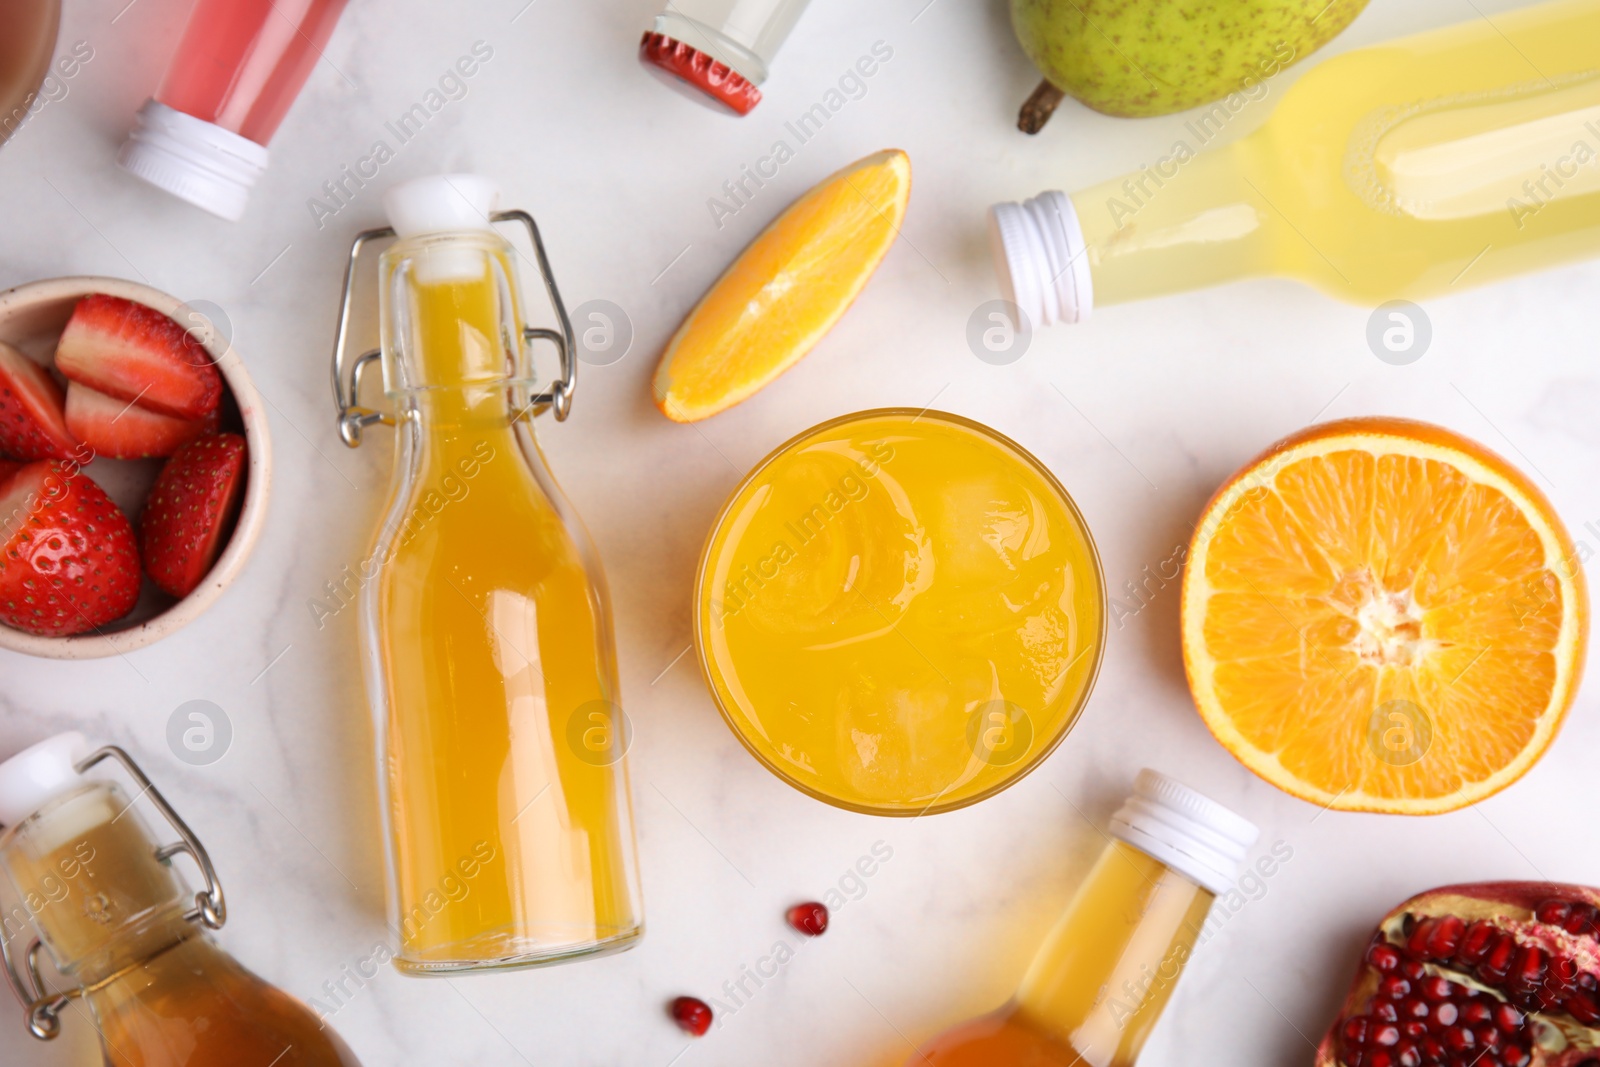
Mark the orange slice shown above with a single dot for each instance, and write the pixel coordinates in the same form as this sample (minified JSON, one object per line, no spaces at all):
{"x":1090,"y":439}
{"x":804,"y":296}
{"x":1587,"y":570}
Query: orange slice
{"x":786,"y":290}
{"x":1381,"y":615}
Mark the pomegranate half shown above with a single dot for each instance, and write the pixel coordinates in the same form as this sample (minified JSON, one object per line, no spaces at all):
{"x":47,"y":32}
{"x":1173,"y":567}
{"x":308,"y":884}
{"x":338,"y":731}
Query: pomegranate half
{"x":1500,"y":974}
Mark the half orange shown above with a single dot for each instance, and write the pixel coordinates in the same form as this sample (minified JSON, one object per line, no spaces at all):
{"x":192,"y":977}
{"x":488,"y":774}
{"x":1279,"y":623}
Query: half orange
{"x":1382,"y":615}
{"x":786,"y":290}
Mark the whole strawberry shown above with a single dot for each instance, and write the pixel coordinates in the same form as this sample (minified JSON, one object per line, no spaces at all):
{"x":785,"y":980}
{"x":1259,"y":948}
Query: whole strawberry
{"x":68,"y":562}
{"x":189,"y":509}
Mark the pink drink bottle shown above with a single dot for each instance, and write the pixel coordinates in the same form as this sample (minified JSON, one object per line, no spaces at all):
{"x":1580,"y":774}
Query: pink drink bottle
{"x":239,"y":66}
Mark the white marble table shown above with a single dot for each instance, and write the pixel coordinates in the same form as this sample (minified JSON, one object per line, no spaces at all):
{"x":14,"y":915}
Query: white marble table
{"x":1165,"y":400}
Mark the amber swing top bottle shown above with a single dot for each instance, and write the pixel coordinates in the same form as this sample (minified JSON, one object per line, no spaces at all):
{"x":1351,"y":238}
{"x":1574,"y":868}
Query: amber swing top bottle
{"x":1107,"y":970}
{"x":102,"y":901}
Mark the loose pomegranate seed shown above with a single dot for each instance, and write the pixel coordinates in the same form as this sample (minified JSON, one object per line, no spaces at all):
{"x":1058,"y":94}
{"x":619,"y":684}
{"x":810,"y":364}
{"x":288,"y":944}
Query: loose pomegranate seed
{"x":1394,"y":987}
{"x":1383,"y":958}
{"x":1446,"y":1014}
{"x":809,"y":918}
{"x":1385,"y":1035}
{"x":692,"y":1015}
{"x":1436,"y":988}
{"x":1475,"y":943}
{"x":1446,"y":937}
{"x":1554,"y":912}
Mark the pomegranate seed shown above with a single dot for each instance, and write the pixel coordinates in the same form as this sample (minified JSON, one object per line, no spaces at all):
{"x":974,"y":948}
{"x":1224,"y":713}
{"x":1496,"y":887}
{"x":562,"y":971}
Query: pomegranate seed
{"x":1383,"y":958}
{"x":1475,"y":943}
{"x":1413,"y":1029}
{"x":1414,"y":1009}
{"x":1445,"y":1015}
{"x":1487,"y":1036}
{"x":1357,"y":1058}
{"x":1528,"y":966}
{"x":1417,"y":943}
{"x":1507,"y":1018}
{"x":1497,"y":963}
{"x":1446,"y":937}
{"x":1582,"y":1007}
{"x":1393,"y":987}
{"x":1588,"y":982}
{"x":692,"y":1015}
{"x":809,"y":918}
{"x":1408,"y":1056}
{"x":1432,"y":1051}
{"x":1563,"y":973}
{"x":1436,"y":988}
{"x":1554,"y":912}
{"x":1412,"y":969}
{"x":1514,"y":1056}
{"x":1355,"y":1031}
{"x":1385,"y":1035}
{"x":1475,"y":1012}
{"x":1381,"y":1058}
{"x":1384,"y":1012}
{"x":1580,"y":918}
{"x":1459,"y":1039}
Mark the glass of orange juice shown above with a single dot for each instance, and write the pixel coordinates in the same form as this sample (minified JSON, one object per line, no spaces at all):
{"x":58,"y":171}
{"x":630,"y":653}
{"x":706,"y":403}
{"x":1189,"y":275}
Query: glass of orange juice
{"x":900,"y":612}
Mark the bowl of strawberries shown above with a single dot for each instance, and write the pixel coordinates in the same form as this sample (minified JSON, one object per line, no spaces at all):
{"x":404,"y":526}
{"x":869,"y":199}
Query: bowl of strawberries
{"x":134,"y":466}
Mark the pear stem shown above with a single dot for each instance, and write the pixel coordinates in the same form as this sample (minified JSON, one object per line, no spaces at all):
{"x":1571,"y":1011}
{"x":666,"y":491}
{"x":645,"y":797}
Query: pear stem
{"x":1038,"y":108}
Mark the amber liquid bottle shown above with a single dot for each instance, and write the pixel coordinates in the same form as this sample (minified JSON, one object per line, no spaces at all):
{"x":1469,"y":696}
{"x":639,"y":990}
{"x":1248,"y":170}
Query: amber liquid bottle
{"x":126,"y":935}
{"x":1103,"y":976}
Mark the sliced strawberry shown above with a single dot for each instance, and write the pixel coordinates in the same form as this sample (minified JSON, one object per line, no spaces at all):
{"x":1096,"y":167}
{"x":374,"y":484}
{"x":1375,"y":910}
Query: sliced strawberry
{"x":124,"y":430}
{"x":68,"y":562}
{"x":31,"y":422}
{"x":189,"y":509}
{"x":133,"y":352}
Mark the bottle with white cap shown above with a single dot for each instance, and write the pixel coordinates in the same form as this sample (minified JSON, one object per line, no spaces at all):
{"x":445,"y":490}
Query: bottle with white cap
{"x":490,"y":662}
{"x":239,"y":65}
{"x":97,"y":895}
{"x":1107,"y":970}
{"x":1406,"y":170}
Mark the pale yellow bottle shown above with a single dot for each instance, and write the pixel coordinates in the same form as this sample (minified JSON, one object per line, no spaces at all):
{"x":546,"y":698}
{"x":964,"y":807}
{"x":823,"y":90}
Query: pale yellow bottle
{"x":1399,"y":171}
{"x":1103,"y":976}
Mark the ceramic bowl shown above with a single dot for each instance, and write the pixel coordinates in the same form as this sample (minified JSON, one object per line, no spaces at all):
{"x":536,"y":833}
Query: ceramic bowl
{"x":31,"y":318}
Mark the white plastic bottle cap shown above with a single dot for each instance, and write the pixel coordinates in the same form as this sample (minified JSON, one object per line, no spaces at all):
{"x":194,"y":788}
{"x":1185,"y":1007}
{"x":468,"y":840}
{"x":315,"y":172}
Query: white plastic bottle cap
{"x":1042,"y":258}
{"x":191,"y":158}
{"x":37,"y":775}
{"x":441,"y":203}
{"x":1187,"y":831}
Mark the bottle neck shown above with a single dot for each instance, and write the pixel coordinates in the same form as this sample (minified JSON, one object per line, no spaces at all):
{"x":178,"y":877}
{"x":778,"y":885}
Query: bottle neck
{"x":1193,"y":218}
{"x":1106,"y":971}
{"x":90,"y":885}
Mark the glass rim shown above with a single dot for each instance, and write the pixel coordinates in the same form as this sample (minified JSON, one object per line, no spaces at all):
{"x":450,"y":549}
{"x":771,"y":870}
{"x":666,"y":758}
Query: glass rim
{"x":1023,"y":767}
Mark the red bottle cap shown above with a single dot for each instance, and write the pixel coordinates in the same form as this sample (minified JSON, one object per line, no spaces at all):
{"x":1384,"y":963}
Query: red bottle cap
{"x":716,"y":79}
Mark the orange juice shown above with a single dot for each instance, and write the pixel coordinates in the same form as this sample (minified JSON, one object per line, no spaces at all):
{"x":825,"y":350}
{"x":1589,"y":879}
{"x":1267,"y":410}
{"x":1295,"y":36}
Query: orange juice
{"x":900,"y":612}
{"x":492,"y":667}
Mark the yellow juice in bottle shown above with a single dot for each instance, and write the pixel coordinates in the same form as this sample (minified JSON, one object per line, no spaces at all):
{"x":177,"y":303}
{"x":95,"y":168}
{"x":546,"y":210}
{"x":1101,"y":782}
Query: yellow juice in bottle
{"x":1409,"y":169}
{"x":900,"y":612}
{"x":1105,"y":973}
{"x":509,"y":821}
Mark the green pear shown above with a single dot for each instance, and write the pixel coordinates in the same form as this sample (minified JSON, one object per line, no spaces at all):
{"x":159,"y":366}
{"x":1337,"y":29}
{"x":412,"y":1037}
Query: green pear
{"x":1154,"y":57}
